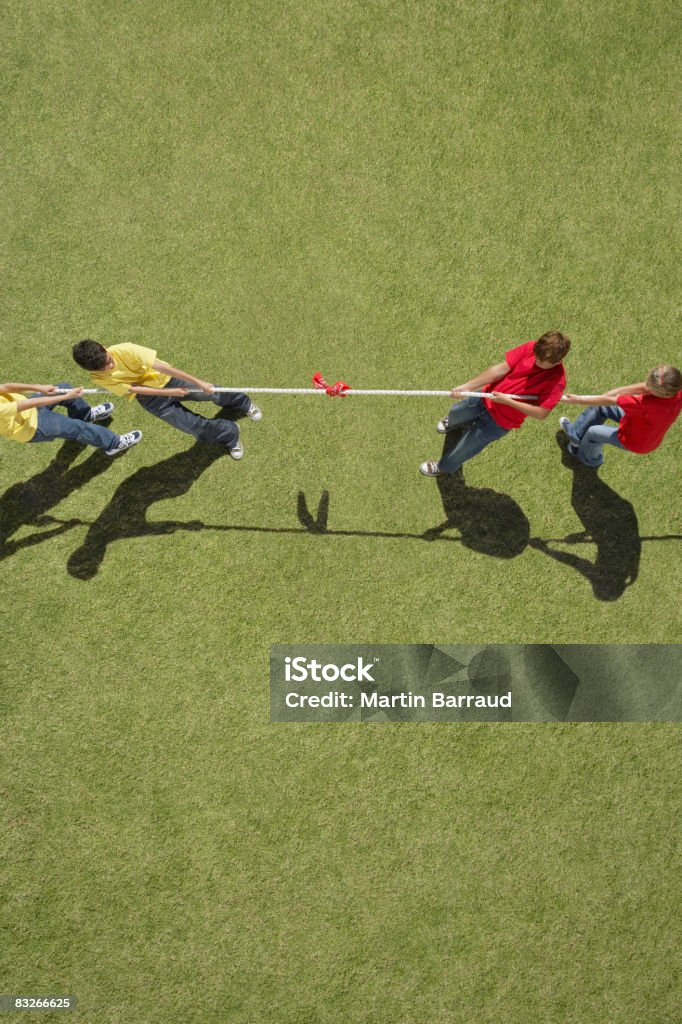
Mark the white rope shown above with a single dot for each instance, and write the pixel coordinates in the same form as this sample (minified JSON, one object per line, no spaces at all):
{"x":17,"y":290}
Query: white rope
{"x":352,"y":391}
{"x":316,"y":391}
{"x":83,"y":391}
{"x":360,"y":391}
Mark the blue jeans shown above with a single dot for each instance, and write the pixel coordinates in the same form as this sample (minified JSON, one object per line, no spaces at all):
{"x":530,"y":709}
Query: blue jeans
{"x":589,"y":435}
{"x":171,"y":410}
{"x":482,"y":431}
{"x":73,"y":427}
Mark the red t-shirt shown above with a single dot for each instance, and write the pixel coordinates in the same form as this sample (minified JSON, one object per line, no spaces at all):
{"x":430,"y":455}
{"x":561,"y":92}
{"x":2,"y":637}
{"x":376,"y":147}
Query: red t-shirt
{"x":525,"y":377}
{"x":647,"y":417}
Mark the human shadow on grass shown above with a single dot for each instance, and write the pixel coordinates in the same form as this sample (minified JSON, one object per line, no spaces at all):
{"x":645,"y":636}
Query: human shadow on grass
{"x":610,"y":523}
{"x":489,"y":521}
{"x":27,"y":503}
{"x":125,"y":517}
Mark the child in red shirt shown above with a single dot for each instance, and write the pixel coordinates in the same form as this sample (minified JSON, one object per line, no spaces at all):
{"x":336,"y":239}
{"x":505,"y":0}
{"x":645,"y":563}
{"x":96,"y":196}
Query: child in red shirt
{"x":535,"y":368}
{"x":643,"y":412}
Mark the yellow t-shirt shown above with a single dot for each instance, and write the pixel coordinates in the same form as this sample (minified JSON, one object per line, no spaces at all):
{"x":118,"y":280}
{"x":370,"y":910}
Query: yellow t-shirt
{"x":18,"y":426}
{"x":134,"y":365}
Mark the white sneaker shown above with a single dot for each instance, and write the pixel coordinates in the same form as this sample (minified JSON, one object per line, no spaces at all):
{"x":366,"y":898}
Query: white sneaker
{"x":125,"y":442}
{"x":430,"y":469}
{"x":442,"y":425}
{"x":565,"y":424}
{"x":236,"y":452}
{"x":254,"y":413}
{"x":100,"y":412}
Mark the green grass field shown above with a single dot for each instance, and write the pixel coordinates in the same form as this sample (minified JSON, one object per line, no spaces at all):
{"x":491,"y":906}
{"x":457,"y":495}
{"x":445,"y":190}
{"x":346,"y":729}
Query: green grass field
{"x":392,"y":193}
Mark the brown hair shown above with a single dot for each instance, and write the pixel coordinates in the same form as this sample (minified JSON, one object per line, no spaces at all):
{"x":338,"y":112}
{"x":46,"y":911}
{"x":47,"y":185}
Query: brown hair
{"x":551,"y":347}
{"x":664,"y":381}
{"x":90,"y":354}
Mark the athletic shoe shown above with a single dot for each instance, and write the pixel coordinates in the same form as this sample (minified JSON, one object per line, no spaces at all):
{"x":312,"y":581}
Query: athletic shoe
{"x":125,"y":442}
{"x":236,"y":452}
{"x":442,"y":425}
{"x":430,"y":469}
{"x":254,"y":413}
{"x":571,"y":447}
{"x":100,"y":412}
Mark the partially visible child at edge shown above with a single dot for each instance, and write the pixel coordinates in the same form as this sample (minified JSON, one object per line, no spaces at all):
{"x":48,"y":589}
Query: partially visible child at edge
{"x":32,"y":419}
{"x":134,"y":371}
{"x":643,"y":413}
{"x":535,"y":368}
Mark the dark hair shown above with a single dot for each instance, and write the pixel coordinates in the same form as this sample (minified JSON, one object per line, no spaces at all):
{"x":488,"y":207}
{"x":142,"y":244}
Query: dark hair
{"x":90,"y":354}
{"x":664,"y":381}
{"x":551,"y":347}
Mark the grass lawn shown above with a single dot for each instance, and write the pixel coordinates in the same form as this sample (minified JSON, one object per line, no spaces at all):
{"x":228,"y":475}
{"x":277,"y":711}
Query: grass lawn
{"x":393,"y":193}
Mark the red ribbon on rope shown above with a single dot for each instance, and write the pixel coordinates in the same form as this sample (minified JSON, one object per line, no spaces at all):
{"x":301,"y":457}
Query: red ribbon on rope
{"x":333,"y":390}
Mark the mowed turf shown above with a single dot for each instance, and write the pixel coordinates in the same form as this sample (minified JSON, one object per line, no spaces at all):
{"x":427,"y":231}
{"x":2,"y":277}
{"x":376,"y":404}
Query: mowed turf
{"x":393,"y":194}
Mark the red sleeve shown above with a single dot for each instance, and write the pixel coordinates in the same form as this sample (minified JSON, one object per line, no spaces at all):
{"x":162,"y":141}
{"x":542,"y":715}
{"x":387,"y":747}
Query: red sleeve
{"x":515,"y":355}
{"x":628,"y":401}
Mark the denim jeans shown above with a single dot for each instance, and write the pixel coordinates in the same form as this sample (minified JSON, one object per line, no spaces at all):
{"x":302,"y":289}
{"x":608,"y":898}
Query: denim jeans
{"x":589,"y":435}
{"x":481,"y":432}
{"x":73,"y":427}
{"x":172,"y":411}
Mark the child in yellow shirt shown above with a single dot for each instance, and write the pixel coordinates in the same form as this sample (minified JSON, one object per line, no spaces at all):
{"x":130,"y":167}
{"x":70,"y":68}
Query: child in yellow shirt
{"x":33,"y":419}
{"x":134,"y":371}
